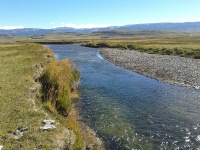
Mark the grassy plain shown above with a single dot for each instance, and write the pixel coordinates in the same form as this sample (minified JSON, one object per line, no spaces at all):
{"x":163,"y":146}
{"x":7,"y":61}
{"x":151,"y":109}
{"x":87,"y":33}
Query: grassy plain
{"x":179,"y":43}
{"x":21,"y":105}
{"x":184,"y":47}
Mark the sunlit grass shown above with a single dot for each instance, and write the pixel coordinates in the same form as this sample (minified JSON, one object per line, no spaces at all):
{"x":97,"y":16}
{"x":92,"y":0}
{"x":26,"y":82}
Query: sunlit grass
{"x":179,"y":46}
{"x":178,"y":43}
{"x":20,"y":65}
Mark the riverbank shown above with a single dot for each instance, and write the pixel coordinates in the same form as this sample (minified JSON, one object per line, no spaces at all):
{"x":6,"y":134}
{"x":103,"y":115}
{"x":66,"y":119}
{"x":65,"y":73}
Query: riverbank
{"x":170,"y":69}
{"x":22,"y":111}
{"x":60,"y":94}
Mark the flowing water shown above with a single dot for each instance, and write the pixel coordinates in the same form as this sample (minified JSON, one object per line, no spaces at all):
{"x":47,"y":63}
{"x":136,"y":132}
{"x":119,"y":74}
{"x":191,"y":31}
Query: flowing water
{"x":131,"y":111}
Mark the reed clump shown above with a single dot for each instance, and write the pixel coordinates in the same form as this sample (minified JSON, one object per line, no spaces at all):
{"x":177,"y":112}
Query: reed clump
{"x":58,"y":81}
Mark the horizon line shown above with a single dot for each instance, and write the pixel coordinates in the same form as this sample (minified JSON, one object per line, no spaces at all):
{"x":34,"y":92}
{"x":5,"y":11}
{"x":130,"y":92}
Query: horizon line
{"x":87,"y":26}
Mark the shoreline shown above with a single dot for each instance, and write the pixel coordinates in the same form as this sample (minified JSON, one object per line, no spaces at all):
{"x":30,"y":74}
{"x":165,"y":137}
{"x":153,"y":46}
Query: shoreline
{"x":90,"y":139}
{"x":164,"y":68}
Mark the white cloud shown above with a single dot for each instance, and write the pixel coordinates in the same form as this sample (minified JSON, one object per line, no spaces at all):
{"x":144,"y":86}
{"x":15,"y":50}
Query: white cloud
{"x":11,"y":27}
{"x":85,"y":26}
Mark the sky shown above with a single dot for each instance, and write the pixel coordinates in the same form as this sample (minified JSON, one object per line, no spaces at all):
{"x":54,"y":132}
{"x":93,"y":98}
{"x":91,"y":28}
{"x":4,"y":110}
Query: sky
{"x":48,"y":14}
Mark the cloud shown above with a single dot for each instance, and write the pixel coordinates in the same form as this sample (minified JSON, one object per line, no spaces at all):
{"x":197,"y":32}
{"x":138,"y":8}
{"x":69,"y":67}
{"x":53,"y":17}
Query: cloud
{"x":85,"y":26}
{"x":11,"y":27}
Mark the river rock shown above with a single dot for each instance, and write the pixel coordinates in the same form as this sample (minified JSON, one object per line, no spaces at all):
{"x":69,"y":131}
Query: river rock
{"x":166,"y":68}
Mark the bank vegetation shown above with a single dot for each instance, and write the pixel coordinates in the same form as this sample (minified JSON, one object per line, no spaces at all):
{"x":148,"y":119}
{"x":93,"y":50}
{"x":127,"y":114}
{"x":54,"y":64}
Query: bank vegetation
{"x":35,"y":87}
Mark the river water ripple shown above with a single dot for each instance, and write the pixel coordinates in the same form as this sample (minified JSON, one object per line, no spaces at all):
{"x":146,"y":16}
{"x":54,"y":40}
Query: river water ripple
{"x":131,"y":111}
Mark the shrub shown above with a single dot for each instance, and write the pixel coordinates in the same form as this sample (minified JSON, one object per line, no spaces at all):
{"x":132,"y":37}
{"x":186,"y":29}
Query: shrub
{"x":90,"y":45}
{"x":178,"y":51}
{"x":99,"y":45}
{"x":167,"y":52}
{"x":131,"y":47}
{"x":119,"y":46}
{"x":189,"y":53}
{"x":156,"y":50}
{"x":57,"y":81}
{"x":196,"y":56}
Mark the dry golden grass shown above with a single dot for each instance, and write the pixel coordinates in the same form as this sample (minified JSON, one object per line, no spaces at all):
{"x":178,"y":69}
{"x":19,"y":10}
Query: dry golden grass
{"x":57,"y":82}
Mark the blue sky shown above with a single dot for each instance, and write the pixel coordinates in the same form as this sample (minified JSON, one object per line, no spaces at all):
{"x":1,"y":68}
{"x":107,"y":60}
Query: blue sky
{"x":94,"y":13}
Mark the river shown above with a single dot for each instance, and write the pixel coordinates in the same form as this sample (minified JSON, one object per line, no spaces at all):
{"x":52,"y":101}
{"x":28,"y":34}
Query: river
{"x":131,"y":111}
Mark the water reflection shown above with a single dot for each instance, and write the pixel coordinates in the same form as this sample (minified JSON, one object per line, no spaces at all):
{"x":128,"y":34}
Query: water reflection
{"x":130,"y":111}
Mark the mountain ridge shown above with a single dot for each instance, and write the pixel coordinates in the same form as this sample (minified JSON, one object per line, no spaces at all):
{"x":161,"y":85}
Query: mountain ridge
{"x":185,"y":26}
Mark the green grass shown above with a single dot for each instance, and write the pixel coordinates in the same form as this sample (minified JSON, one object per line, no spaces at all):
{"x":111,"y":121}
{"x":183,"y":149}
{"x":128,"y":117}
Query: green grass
{"x":178,"y":43}
{"x":20,"y":106}
{"x":179,"y":46}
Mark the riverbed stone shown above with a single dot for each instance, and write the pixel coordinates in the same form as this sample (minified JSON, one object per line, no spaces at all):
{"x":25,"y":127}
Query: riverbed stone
{"x":166,"y":68}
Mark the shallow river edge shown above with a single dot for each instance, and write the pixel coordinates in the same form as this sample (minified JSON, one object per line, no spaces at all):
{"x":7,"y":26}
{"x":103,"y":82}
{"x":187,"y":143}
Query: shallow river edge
{"x":169,"y":69}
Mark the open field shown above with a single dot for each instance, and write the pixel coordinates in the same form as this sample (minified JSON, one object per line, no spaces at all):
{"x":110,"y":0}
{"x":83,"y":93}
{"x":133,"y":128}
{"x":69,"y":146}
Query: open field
{"x":184,"y":44}
{"x":179,"y":46}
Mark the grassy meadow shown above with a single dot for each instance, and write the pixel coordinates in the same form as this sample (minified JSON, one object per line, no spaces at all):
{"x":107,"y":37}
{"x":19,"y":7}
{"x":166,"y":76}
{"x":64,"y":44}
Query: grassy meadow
{"x":179,"y":43}
{"x":179,"y":46}
{"x":21,"y":104}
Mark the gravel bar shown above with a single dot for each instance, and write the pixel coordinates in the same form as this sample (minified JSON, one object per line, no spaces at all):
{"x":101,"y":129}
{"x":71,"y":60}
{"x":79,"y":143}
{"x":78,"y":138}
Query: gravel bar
{"x":170,"y":69}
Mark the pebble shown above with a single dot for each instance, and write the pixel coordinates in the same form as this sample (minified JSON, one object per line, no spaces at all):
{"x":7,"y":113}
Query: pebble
{"x":165,"y":68}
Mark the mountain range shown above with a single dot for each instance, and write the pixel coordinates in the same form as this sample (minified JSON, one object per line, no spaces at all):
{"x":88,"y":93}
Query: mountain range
{"x":186,"y":26}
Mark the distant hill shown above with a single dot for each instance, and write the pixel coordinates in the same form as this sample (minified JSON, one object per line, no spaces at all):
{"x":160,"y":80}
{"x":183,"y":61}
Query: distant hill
{"x":26,"y":31}
{"x":186,"y":26}
{"x":11,"y":38}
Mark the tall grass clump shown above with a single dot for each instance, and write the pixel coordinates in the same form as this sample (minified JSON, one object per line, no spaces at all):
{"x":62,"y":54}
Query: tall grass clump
{"x":58,"y":80}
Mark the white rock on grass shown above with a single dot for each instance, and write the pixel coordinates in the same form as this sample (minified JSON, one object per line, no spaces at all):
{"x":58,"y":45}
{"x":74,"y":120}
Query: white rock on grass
{"x":48,"y":125}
